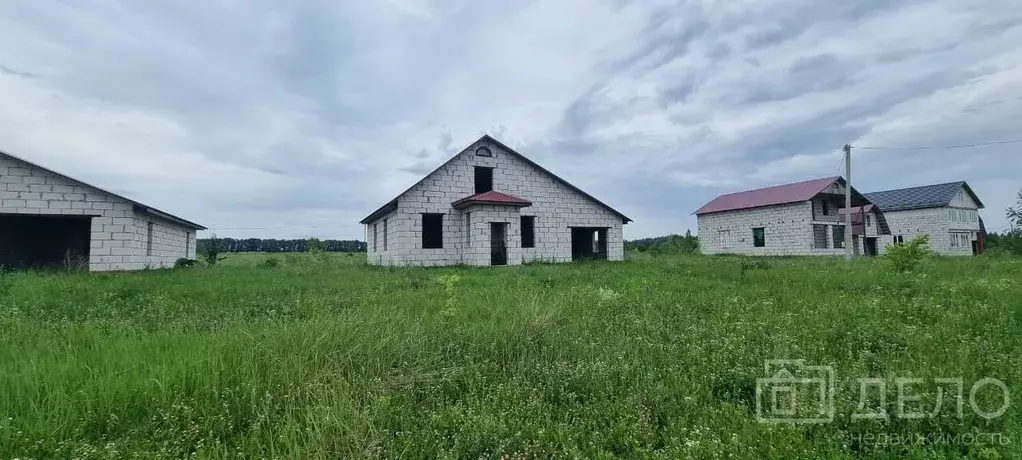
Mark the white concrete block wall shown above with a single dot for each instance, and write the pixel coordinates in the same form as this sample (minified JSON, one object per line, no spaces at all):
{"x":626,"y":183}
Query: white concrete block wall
{"x":832,"y":209}
{"x":963,"y":200}
{"x":170,"y":242}
{"x":555,"y":206}
{"x":478,"y":251}
{"x":380,"y":242}
{"x":118,"y":233}
{"x":939,"y":223}
{"x":872,"y":229}
{"x":788,"y":230}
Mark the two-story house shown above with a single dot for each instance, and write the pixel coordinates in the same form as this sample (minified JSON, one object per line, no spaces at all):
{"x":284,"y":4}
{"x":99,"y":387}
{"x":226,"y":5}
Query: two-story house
{"x":949,"y":213}
{"x":868,"y":226}
{"x":490,"y":205}
{"x":793,"y":219}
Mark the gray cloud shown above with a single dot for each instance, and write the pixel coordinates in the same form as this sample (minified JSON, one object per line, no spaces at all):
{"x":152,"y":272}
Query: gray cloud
{"x":17,"y":73}
{"x":298,"y":120}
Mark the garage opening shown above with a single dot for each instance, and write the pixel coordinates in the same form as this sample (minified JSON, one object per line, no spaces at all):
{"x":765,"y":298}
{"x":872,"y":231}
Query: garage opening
{"x":588,"y":243}
{"x":30,"y":241}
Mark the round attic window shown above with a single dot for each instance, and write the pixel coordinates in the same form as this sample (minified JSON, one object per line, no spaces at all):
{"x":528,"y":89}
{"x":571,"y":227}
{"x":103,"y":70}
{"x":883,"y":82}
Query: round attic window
{"x":484,"y":152}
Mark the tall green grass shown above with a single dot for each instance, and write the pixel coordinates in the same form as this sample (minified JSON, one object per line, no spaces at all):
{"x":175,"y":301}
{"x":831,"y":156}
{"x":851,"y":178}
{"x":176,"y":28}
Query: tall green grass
{"x":323,"y":357}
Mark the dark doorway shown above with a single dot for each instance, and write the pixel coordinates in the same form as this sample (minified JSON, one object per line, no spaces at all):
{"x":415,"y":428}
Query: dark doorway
{"x":484,"y":179}
{"x":33,"y":241}
{"x":588,"y":243}
{"x":498,"y":243}
{"x":975,"y":248}
{"x":871,"y":246}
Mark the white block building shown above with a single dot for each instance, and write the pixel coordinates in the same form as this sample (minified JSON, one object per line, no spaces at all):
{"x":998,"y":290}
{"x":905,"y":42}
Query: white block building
{"x":793,"y":219}
{"x":490,"y":205}
{"x":868,"y":227}
{"x":50,"y":220}
{"x":948,"y":212}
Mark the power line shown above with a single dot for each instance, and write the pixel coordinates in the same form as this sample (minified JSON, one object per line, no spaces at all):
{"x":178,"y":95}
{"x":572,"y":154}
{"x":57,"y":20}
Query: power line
{"x":840,"y":165}
{"x":944,"y":147}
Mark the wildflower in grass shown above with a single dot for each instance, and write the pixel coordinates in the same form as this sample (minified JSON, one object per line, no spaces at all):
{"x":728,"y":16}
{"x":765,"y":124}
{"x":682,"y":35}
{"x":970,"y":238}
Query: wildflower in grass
{"x":606,"y":294}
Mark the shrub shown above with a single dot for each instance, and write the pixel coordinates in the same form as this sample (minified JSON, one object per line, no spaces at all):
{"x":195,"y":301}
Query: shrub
{"x":185,"y":262}
{"x":315,"y":246}
{"x":905,"y":257}
{"x":270,"y":262}
{"x":211,"y":252}
{"x":749,"y":264}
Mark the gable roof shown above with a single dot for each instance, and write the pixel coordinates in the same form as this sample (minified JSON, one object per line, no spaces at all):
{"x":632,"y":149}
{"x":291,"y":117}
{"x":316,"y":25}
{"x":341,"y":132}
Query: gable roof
{"x":856,"y":210}
{"x":139,"y":207}
{"x":392,"y":204}
{"x":769,"y":196}
{"x":926,"y":196}
{"x":491,"y":197}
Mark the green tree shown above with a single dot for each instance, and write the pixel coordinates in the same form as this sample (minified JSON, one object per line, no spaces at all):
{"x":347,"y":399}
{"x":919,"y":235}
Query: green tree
{"x":1014,"y":214}
{"x":315,"y":245}
{"x":1011,"y":240}
{"x":212,"y":249}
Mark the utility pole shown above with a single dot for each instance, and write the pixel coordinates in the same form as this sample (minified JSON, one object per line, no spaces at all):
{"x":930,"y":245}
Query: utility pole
{"x":849,"y":252}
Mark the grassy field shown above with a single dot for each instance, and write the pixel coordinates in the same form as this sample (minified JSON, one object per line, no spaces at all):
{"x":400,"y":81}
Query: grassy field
{"x":650,"y":358}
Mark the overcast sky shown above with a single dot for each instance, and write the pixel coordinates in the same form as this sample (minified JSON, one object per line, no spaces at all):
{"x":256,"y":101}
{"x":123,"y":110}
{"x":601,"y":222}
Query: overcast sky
{"x":295,"y":119}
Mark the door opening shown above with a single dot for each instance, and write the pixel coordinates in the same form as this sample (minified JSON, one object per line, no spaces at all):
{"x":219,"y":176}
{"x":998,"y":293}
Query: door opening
{"x":498,"y":243}
{"x":42,"y":241}
{"x":871,"y":246}
{"x":588,"y":243}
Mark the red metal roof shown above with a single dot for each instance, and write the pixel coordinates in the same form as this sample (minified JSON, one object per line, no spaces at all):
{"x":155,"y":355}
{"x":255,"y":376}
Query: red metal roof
{"x":769,"y":196}
{"x":491,"y":197}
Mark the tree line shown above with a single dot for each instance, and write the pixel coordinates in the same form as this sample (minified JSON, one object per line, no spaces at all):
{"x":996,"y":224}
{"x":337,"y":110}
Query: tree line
{"x":665,"y":244}
{"x":221,"y":245}
{"x":1010,"y":241}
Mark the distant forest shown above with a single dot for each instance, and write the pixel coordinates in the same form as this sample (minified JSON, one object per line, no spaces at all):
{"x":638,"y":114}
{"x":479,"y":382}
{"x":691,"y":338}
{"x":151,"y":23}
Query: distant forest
{"x":665,"y":244}
{"x":275,"y":245}
{"x":1010,"y":242}
{"x":669,"y":243}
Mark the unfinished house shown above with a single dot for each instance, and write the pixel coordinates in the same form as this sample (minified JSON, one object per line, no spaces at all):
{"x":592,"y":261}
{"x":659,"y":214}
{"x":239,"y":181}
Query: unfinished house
{"x":866,"y":231}
{"x":490,"y":205}
{"x":948,"y":212}
{"x":50,"y":220}
{"x":803,"y":218}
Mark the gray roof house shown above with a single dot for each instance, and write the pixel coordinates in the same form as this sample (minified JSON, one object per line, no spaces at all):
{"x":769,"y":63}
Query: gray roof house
{"x":48,"y":219}
{"x":948,"y":212}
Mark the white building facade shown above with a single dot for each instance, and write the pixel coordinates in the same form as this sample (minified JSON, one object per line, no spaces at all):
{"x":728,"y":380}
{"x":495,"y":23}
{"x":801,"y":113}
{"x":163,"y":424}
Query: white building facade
{"x":490,"y":205}
{"x":948,"y":213}
{"x":51,"y":220}
{"x":788,"y":220}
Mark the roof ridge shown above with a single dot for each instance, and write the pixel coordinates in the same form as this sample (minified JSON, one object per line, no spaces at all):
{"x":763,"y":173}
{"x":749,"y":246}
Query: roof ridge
{"x":769,"y":196}
{"x":959,"y":182}
{"x":832,"y":178}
